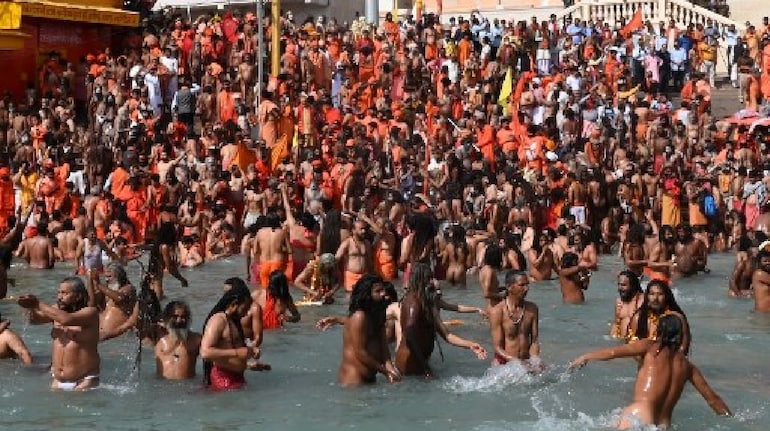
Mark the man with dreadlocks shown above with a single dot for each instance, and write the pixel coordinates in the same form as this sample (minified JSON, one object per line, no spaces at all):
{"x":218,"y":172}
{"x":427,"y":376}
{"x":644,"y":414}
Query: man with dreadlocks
{"x":75,"y":359}
{"x":419,"y":244}
{"x":662,"y":375}
{"x":659,"y":301}
{"x":364,"y":344}
{"x":223,"y":347}
{"x":121,"y":302}
{"x":421,"y":321}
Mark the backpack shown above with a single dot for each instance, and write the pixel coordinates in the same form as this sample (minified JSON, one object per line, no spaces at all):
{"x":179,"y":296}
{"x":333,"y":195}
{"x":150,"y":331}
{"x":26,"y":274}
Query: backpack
{"x":709,"y":206}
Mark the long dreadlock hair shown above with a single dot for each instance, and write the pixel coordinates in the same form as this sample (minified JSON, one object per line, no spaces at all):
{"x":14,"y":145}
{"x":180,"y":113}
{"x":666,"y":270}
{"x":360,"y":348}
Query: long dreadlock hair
{"x":238,"y":294}
{"x":361,"y":300}
{"x":643,"y":330}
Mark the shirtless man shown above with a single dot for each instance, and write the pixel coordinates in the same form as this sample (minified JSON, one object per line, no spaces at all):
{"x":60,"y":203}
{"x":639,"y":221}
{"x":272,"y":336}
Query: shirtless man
{"x":541,"y":258}
{"x":573,"y":279}
{"x":364,"y":346}
{"x":420,"y":322}
{"x":120,"y":305}
{"x":38,"y":251}
{"x":761,"y":280}
{"x":271,"y":247}
{"x":68,"y":241}
{"x":577,"y":196}
{"x":490,"y":285}
{"x":223,"y":347}
{"x":658,"y":301}
{"x":75,"y":359}
{"x":661,"y":377}
{"x":691,"y":253}
{"x":254,"y":205}
{"x":634,"y":254}
{"x":743,"y":272}
{"x":514,"y":325}
{"x":176,"y":352}
{"x":627,"y":305}
{"x":11,"y":345}
{"x":662,"y":255}
{"x":251,"y":323}
{"x":358,"y":252}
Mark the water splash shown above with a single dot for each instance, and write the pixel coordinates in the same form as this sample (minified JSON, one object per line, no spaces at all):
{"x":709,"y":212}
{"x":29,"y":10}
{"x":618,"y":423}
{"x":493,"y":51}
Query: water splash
{"x":580,"y":422}
{"x":495,"y":379}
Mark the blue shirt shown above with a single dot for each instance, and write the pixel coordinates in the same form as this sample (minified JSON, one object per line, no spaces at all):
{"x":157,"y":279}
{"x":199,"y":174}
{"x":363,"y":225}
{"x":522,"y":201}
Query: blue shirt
{"x":678,"y":58}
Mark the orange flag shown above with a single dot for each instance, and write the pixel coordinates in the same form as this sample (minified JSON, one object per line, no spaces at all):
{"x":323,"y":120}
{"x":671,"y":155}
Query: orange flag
{"x":635,"y":24}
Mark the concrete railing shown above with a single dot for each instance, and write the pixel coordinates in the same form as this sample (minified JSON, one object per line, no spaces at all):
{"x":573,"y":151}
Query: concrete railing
{"x":612,"y":11}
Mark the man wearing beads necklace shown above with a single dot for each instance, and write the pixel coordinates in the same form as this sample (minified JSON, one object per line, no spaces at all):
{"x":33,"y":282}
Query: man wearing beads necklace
{"x":514,"y":325}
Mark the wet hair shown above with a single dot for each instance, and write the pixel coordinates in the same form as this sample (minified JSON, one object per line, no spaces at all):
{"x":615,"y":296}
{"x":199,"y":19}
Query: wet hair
{"x":272,"y":220}
{"x":279,"y":286}
{"x":670,"y":331}
{"x":80,"y":288}
{"x":493,"y":256}
{"x":424,"y":234}
{"x":633,"y":280}
{"x":119,"y":272}
{"x":330,"y":232}
{"x":361,"y":300}
{"x":239,"y":294}
{"x":569,"y":259}
{"x":643,"y":331}
{"x":234,"y":282}
{"x":67,"y":225}
{"x":308,"y":221}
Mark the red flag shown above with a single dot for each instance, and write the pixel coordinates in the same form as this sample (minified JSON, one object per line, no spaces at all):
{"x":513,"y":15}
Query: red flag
{"x":635,"y":24}
{"x":439,"y":7}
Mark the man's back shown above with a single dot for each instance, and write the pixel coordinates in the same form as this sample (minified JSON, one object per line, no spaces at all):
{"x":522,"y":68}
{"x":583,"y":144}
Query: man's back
{"x":659,"y":384}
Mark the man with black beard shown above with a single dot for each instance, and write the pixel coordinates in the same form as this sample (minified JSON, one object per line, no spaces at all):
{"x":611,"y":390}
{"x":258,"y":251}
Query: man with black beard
{"x":630,"y":299}
{"x":364,"y":344}
{"x":176,"y":353}
{"x":662,"y":255}
{"x":121,"y":309}
{"x":75,"y":360}
{"x":659,"y":301}
{"x":691,"y":253}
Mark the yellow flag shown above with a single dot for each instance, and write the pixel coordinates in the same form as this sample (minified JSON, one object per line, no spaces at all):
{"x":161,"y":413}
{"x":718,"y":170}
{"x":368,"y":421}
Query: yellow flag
{"x":506,"y":90}
{"x":10,"y":16}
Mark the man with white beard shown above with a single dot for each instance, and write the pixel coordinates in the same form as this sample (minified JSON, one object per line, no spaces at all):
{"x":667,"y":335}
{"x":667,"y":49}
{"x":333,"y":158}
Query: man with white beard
{"x":121,"y":310}
{"x":176,"y":353}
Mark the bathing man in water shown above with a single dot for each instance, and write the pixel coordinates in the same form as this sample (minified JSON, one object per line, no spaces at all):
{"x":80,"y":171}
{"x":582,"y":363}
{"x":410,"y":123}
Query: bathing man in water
{"x":364,"y":345}
{"x":514,"y":324}
{"x":11,"y":345}
{"x":661,"y":378}
{"x":75,"y":359}
{"x":176,"y":352}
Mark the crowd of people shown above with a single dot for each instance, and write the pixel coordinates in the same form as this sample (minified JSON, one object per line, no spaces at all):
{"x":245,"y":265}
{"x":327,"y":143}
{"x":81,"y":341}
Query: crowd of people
{"x":418,"y":153}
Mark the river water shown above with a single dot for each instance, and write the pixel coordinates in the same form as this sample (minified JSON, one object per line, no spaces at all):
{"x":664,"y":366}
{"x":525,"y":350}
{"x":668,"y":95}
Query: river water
{"x":731,"y":345}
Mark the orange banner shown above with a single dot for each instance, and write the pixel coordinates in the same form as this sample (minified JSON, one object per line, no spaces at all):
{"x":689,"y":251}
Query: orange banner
{"x":117,"y":17}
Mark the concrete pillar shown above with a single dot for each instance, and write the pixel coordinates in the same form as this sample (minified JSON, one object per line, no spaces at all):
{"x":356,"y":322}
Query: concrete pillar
{"x":372,"y":11}
{"x":275,"y":38}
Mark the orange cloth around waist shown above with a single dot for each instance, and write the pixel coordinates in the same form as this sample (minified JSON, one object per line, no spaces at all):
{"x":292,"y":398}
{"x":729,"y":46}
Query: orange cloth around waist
{"x":656,"y":275}
{"x":351,"y":278}
{"x":266,"y":268}
{"x":384,"y":266}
